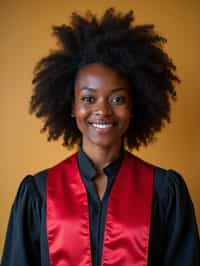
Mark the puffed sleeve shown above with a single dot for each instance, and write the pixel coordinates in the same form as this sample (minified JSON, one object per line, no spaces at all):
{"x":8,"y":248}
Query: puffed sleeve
{"x":21,"y":246}
{"x":181,"y":242}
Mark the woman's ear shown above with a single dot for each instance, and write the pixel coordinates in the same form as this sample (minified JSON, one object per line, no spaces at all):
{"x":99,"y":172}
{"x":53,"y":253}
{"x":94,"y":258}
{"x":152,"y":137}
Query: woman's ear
{"x":73,"y":111}
{"x":72,"y":115}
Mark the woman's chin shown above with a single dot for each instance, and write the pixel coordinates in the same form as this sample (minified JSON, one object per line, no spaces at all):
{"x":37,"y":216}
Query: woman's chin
{"x":105,"y":142}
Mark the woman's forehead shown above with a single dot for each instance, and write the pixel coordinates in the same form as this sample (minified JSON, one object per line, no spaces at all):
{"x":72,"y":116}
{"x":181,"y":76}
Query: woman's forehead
{"x":98,"y":74}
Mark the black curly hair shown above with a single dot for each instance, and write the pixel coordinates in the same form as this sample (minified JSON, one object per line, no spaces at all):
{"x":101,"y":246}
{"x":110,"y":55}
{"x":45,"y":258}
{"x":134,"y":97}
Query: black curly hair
{"x":134,"y":50}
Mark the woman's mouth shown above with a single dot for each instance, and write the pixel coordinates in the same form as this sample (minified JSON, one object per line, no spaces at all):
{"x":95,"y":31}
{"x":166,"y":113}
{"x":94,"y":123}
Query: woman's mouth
{"x":102,"y":127}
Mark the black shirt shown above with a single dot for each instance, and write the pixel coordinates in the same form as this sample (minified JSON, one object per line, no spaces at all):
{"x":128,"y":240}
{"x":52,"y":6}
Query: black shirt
{"x":174,"y":236}
{"x":97,"y":207}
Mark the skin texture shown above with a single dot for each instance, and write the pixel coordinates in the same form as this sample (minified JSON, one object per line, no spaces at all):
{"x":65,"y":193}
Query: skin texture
{"x":102,"y":98}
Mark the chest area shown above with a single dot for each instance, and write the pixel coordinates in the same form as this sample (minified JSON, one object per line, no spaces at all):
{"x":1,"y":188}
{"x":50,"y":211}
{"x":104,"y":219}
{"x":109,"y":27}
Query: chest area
{"x":127,"y":220}
{"x":100,"y":183}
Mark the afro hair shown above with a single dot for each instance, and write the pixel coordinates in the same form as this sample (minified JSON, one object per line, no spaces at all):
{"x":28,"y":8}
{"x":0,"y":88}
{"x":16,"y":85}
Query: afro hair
{"x":134,"y":50}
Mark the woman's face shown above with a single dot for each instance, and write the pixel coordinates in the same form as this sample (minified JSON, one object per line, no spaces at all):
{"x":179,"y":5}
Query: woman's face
{"x":102,"y":105}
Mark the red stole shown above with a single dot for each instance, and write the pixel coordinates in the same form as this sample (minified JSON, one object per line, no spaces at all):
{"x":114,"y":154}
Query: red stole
{"x":127,"y":227}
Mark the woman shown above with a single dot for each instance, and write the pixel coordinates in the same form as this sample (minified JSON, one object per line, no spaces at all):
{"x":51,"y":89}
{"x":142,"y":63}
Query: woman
{"x":107,"y":87}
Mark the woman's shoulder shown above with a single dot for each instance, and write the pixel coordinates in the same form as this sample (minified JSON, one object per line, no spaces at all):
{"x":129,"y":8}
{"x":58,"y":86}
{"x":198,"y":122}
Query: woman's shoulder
{"x":169,"y":185}
{"x":34,"y":185}
{"x":170,"y":190}
{"x":168,"y":181}
{"x":31,"y":188}
{"x":165,"y":180}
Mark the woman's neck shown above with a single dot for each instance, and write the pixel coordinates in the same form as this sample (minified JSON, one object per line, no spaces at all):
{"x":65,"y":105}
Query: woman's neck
{"x":102,"y":156}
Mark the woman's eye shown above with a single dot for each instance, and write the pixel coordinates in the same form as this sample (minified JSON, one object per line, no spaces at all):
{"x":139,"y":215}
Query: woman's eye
{"x":118,"y":99}
{"x":87,"y":99}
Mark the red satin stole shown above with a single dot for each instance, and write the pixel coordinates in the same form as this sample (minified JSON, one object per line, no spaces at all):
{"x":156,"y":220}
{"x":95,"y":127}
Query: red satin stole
{"x":127,"y":227}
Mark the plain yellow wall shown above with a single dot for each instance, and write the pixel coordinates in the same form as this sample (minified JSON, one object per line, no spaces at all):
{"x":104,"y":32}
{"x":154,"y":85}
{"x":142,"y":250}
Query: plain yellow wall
{"x":26,"y":36}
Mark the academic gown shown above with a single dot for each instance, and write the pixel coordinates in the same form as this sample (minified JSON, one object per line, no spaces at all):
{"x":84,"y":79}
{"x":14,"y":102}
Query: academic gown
{"x":173,"y":240}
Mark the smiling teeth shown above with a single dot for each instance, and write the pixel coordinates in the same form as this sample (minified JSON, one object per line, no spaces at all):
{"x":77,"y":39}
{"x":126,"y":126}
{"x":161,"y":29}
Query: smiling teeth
{"x":102,"y":125}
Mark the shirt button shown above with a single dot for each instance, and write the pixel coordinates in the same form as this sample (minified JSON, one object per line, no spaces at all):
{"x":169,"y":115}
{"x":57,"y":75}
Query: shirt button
{"x":97,"y":209}
{"x":95,"y":250}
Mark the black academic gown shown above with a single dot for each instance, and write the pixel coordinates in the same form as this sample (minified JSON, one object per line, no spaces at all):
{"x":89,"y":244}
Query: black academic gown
{"x":174,"y":239}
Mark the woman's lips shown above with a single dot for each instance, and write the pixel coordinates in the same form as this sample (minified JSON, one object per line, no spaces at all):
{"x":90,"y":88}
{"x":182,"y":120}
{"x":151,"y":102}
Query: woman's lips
{"x":102,"y":127}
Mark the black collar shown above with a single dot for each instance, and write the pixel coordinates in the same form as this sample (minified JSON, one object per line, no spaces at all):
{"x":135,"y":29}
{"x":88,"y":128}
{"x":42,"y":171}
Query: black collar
{"x":88,"y":170}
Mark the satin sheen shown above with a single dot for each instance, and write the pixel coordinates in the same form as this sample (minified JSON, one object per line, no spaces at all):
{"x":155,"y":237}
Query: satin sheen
{"x":127,"y":226}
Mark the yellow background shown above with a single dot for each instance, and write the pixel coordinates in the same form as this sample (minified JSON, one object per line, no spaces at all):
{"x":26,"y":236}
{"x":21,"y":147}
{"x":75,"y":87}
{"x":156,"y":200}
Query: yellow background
{"x":26,"y":36}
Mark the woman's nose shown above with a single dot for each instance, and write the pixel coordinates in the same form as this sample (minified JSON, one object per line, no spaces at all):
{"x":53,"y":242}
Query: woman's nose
{"x":103,"y":108}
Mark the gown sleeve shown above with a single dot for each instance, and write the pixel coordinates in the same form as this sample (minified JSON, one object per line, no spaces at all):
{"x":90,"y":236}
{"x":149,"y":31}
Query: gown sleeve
{"x":181,"y":244}
{"x":21,"y":246}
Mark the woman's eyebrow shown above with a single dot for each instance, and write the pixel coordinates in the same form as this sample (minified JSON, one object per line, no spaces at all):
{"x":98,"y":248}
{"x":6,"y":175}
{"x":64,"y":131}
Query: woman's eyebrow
{"x":87,"y":89}
{"x":119,"y":89}
{"x":113,"y":90}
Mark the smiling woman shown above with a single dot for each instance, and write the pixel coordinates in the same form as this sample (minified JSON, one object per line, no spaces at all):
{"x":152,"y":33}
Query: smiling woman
{"x":108,"y":89}
{"x":102,"y":107}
